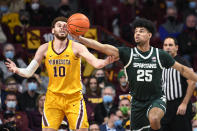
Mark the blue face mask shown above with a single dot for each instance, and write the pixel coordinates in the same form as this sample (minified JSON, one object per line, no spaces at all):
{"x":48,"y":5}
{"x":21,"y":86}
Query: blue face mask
{"x":9,"y":54}
{"x":169,"y":3}
{"x":32,"y":86}
{"x":118,"y":123}
{"x":107,"y":99}
{"x":3,"y":9}
{"x":195,"y":129}
{"x":192,"y":4}
{"x":11,"y":104}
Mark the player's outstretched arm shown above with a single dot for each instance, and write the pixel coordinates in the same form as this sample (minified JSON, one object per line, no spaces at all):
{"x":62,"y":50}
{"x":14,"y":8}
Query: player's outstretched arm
{"x":32,"y":67}
{"x":104,"y":48}
{"x":90,"y":58}
{"x":185,"y":71}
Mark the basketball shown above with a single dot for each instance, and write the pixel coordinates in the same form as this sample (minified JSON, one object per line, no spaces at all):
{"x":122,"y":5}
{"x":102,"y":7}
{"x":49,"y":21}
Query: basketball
{"x":78,"y":24}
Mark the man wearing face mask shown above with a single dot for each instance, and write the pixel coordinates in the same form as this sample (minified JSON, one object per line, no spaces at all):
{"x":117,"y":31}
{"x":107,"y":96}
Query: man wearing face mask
{"x":38,"y":13}
{"x":123,"y":88}
{"x":101,"y":110}
{"x":9,"y":52}
{"x":114,"y":122}
{"x":188,"y":38}
{"x":21,"y":119}
{"x":171,"y":27}
{"x":28,"y":99}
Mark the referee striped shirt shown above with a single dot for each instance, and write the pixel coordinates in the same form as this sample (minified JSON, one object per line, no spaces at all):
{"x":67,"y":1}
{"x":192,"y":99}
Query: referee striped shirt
{"x":174,"y":84}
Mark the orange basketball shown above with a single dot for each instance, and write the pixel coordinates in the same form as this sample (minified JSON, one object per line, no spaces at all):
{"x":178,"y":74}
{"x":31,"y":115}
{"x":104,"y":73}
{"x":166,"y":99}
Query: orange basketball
{"x":78,"y":24}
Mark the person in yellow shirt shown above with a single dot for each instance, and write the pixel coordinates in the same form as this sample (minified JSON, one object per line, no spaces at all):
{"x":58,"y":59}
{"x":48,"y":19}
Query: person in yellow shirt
{"x":63,"y":63}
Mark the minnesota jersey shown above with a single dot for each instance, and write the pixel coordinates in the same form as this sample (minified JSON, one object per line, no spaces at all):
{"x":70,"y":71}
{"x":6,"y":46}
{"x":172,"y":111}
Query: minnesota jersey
{"x":144,"y":71}
{"x":64,"y":70}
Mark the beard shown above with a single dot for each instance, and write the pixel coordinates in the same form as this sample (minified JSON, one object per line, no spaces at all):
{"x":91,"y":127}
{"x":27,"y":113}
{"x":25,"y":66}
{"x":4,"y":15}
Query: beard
{"x":62,"y":38}
{"x":140,"y":43}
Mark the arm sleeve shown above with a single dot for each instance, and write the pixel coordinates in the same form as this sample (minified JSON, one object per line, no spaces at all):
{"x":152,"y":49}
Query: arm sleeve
{"x":29,"y":71}
{"x":124,"y":54}
{"x":167,"y":60}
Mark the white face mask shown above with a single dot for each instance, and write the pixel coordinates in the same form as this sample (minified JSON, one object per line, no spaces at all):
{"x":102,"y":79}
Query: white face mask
{"x":61,"y":130}
{"x":35,"y":6}
{"x":11,"y":104}
{"x":123,"y":83}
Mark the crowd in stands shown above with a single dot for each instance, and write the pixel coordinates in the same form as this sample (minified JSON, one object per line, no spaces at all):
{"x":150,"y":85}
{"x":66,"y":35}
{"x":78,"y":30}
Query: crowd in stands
{"x":106,"y":90}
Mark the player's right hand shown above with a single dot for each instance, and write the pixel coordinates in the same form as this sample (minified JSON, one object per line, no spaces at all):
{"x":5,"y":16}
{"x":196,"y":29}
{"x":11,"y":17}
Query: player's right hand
{"x":11,"y":66}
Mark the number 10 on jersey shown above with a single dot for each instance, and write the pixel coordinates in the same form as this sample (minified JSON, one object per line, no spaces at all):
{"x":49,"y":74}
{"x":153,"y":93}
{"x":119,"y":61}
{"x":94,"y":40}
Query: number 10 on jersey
{"x":59,"y":71}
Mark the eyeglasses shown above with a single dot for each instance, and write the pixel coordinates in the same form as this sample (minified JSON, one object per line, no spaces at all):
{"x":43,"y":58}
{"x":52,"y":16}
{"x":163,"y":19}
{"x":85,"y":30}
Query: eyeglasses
{"x":9,"y":84}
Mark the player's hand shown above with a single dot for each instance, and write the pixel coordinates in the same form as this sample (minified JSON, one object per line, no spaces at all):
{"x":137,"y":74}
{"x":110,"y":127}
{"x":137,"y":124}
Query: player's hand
{"x":11,"y":66}
{"x":181,"y":109}
{"x":74,"y":36}
{"x":110,"y":59}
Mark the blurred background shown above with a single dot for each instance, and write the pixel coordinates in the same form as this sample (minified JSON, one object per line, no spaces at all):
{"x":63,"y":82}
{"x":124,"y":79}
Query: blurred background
{"x":26,"y":24}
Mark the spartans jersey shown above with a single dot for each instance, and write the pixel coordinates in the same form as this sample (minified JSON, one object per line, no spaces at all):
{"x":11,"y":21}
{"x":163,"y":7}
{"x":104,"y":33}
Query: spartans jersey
{"x":64,"y":70}
{"x":144,"y":71}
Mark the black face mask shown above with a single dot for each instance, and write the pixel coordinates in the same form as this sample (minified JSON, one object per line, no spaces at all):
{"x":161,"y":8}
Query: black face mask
{"x":171,"y":19}
{"x":191,"y":28}
{"x":100,"y":79}
{"x":24,"y":22}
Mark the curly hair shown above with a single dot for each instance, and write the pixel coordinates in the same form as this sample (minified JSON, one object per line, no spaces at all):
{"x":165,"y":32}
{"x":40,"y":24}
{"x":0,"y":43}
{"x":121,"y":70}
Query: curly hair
{"x":142,"y":22}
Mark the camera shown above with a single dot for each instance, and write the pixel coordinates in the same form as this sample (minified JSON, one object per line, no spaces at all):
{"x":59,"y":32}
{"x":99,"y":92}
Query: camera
{"x":9,"y":125}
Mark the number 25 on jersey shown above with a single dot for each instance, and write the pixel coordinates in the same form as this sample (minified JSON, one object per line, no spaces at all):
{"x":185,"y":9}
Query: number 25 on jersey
{"x":144,"y":75}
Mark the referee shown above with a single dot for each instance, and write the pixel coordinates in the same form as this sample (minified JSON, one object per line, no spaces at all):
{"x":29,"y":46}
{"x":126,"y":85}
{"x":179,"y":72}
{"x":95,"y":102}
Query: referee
{"x":178,"y":91}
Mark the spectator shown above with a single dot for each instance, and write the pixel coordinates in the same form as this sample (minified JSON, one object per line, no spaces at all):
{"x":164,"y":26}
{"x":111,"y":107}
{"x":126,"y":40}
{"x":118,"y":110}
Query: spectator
{"x":123,"y":88}
{"x":92,"y":97}
{"x":4,"y":6}
{"x":21,"y":119}
{"x":11,"y":85}
{"x":101,"y":78}
{"x":94,"y":127}
{"x":92,"y":89}
{"x":124,"y":106}
{"x":9,"y":122}
{"x":63,"y":9}
{"x":101,"y":110}
{"x":35,"y":117}
{"x":114,"y":121}
{"x":9,"y":52}
{"x":171,"y":27}
{"x":188,"y":38}
{"x":28,"y":99}
{"x":38,"y":13}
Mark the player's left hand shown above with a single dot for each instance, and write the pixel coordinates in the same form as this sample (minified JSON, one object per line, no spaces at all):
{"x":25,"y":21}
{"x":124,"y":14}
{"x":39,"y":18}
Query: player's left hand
{"x":11,"y":65}
{"x":181,"y":109}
